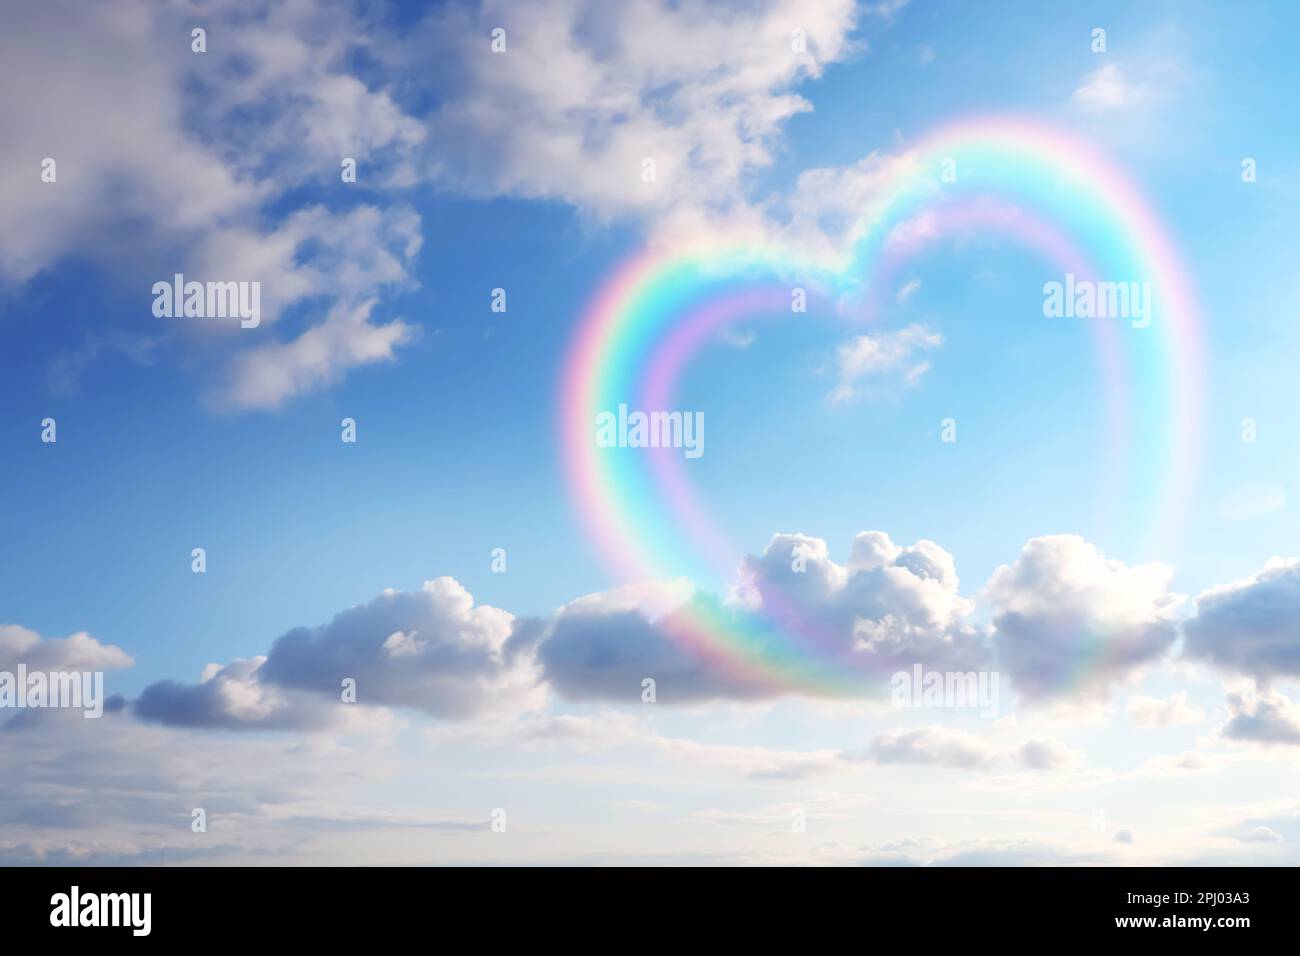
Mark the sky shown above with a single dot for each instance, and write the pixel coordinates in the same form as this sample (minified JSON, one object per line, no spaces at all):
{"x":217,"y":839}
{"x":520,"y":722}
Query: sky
{"x":395,"y":478}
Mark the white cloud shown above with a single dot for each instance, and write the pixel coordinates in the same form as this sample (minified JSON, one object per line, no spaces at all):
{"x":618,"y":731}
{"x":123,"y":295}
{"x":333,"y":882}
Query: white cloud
{"x":1261,"y":717}
{"x":869,"y":355}
{"x":77,"y":652}
{"x":587,"y":91}
{"x":1070,"y":622}
{"x":885,"y":610}
{"x":268,"y":375}
{"x":1106,"y":88}
{"x":168,"y":162}
{"x":1251,"y":626}
{"x":431,"y":650}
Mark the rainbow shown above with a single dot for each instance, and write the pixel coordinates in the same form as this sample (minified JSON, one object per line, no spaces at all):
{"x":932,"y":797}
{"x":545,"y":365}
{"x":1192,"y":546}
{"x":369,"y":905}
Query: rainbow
{"x":1045,"y":189}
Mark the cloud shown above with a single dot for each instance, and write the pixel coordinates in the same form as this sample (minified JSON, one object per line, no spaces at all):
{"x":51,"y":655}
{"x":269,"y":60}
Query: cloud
{"x":1106,"y":88}
{"x":117,"y":791}
{"x":1045,"y":754}
{"x":235,"y":697}
{"x":1250,"y":626}
{"x":738,"y":338}
{"x":1171,"y":711}
{"x":77,"y":652}
{"x":939,"y":746}
{"x":931,"y":746}
{"x":1070,"y":622}
{"x":620,"y":729}
{"x":585,"y":92}
{"x":1261,"y":717}
{"x":874,"y":355}
{"x":603,"y":646}
{"x":432,"y":650}
{"x":887,"y":609}
{"x":266,"y":376}
{"x":1015,"y":853}
{"x":173,"y":161}
{"x":908,"y":290}
{"x":1261,"y":834}
{"x":1124,"y":836}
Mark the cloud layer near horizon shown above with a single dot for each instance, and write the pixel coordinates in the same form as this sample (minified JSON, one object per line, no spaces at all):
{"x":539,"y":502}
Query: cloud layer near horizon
{"x":1068,"y":625}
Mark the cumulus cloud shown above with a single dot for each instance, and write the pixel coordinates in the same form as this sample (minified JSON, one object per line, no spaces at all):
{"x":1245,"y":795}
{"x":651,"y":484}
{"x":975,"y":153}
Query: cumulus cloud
{"x":603,"y":646}
{"x":77,"y":652}
{"x":234,"y":697}
{"x":1261,"y":717}
{"x":586,"y":92}
{"x":1251,"y":626}
{"x":1070,"y":622}
{"x":432,"y":651}
{"x":888,"y":608}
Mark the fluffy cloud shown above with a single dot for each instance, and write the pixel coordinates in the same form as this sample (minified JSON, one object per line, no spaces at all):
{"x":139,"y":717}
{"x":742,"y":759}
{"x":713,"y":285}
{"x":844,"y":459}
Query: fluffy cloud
{"x":264,"y":377}
{"x":1251,"y":626}
{"x":887,"y":609}
{"x":602,"y":646}
{"x":77,"y":652}
{"x":431,"y":650}
{"x":235,"y":697}
{"x":1261,"y":717}
{"x":170,"y":161}
{"x":1070,"y":622}
{"x":174,"y":161}
{"x":587,"y":91}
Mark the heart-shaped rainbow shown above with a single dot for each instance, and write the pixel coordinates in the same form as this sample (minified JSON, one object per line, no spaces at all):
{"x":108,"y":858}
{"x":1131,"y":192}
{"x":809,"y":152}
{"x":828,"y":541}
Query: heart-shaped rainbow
{"x":1044,"y":188}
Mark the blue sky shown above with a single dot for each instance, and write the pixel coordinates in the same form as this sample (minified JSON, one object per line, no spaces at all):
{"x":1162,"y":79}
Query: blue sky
{"x":225,"y":164}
